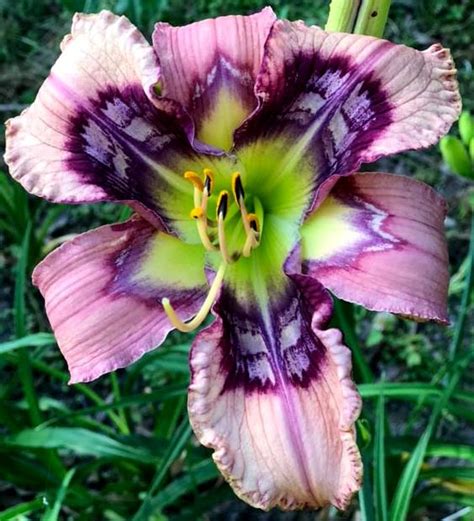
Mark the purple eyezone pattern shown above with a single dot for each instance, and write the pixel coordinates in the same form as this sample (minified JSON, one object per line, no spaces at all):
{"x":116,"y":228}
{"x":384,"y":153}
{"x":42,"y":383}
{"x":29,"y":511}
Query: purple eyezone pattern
{"x":118,"y":140}
{"x":126,"y":264}
{"x":342,"y":107}
{"x":264,"y":350}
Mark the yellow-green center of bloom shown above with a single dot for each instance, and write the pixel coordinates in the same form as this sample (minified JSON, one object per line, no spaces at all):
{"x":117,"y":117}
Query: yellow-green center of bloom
{"x":211,"y":229}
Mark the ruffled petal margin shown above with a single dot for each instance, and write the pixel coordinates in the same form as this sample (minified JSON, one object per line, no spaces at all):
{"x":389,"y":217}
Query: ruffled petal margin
{"x":103,"y":292}
{"x":378,"y":240}
{"x":210,"y":68}
{"x":95,"y":132}
{"x":276,"y":402}
{"x":345,"y":99}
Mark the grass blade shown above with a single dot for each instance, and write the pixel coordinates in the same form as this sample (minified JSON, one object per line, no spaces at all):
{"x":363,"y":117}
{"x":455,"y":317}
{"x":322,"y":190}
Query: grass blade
{"x":435,"y":449}
{"x":175,"y":447}
{"x":36,"y":340}
{"x":18,"y":511}
{"x":53,"y":513}
{"x":81,"y":441}
{"x":406,"y":485}
{"x":379,"y":462}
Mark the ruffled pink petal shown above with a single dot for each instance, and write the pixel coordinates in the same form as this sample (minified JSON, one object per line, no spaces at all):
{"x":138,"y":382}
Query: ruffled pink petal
{"x":272,"y":394}
{"x":93,"y":133}
{"x":343,"y":99}
{"x":377,"y":240}
{"x":210,"y":68}
{"x":103,"y":294}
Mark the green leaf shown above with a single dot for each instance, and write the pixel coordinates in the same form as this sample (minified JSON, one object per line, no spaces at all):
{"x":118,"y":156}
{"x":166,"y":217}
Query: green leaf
{"x":449,"y":473}
{"x":446,"y":498}
{"x":175,"y":447}
{"x":80,"y":441}
{"x":201,"y":473}
{"x":466,"y":127}
{"x":20,"y":285}
{"x":344,"y":319}
{"x":434,"y":449}
{"x":36,"y":340}
{"x":366,"y":497}
{"x":456,"y":156}
{"x":410,"y":391}
{"x":403,"y":493}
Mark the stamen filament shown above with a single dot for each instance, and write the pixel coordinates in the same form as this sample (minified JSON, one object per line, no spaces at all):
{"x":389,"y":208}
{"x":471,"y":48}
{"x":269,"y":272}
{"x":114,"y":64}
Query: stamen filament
{"x":202,"y":230}
{"x":201,"y":315}
{"x":196,"y":181}
{"x":198,"y":213}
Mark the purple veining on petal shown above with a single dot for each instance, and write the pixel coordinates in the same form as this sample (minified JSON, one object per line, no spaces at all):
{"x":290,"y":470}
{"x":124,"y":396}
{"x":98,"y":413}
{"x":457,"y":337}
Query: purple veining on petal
{"x":264,"y":356}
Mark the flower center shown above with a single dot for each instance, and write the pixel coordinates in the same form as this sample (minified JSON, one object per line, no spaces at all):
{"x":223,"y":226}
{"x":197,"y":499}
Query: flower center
{"x":213,"y":236}
{"x":212,"y":231}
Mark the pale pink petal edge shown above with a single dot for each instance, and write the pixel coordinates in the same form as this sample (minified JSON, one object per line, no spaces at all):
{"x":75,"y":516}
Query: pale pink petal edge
{"x":202,"y":381}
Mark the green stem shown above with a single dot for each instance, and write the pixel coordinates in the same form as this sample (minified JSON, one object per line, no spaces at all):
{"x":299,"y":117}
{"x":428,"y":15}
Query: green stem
{"x":358,"y":16}
{"x":24,"y":366}
{"x":469,"y":283}
{"x":343,"y":314}
{"x":124,"y":428}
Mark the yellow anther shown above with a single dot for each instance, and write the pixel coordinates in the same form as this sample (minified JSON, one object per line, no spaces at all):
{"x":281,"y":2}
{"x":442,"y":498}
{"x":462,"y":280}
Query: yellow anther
{"x":195,"y":179}
{"x":197,"y":213}
{"x":186,"y":327}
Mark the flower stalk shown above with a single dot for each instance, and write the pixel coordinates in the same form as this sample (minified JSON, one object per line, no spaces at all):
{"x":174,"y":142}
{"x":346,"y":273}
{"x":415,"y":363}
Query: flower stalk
{"x":358,"y":16}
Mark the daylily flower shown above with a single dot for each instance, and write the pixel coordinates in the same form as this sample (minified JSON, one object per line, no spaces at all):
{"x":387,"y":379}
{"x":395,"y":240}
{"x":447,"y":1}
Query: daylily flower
{"x":236,"y":141}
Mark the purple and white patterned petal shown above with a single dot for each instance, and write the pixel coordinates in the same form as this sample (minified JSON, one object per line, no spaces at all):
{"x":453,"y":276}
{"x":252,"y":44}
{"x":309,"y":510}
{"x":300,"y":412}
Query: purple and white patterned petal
{"x":103,"y":292}
{"x":93,"y":133}
{"x":347,"y":99}
{"x":271,"y":393}
{"x":210,"y":68}
{"x":377,"y":240}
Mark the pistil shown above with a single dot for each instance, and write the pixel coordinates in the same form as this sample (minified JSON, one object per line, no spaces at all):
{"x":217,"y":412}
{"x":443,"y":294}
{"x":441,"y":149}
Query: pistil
{"x":187,"y":327}
{"x":201,"y":195}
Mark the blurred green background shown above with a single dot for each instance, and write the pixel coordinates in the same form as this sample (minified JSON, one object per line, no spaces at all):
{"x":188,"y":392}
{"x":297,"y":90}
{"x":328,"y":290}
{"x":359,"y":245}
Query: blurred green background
{"x":121,"y":448}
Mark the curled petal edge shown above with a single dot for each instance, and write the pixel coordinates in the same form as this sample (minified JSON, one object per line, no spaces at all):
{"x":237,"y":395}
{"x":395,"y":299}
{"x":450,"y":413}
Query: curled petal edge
{"x":203,"y":356}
